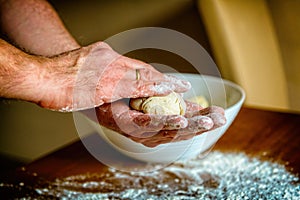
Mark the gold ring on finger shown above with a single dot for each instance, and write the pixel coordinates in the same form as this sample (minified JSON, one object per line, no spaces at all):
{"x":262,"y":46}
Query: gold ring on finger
{"x":137,"y":74}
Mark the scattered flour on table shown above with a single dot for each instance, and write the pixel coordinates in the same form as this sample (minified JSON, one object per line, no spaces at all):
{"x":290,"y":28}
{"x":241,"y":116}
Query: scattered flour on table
{"x":217,"y":176}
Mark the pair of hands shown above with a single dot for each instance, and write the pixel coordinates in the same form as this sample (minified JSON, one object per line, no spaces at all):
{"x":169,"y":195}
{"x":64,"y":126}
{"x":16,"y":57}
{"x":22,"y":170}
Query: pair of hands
{"x":97,"y":77}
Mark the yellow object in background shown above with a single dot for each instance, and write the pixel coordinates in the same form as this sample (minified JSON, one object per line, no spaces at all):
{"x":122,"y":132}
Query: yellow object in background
{"x":256,"y":44}
{"x":201,"y":100}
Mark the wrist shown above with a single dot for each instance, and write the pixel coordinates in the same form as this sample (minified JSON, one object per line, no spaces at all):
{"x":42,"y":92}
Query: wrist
{"x":56,"y":78}
{"x":47,"y":81}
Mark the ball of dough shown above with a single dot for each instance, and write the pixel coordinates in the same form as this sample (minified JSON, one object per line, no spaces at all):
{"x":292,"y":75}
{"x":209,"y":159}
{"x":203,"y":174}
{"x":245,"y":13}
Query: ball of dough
{"x":172,"y":104}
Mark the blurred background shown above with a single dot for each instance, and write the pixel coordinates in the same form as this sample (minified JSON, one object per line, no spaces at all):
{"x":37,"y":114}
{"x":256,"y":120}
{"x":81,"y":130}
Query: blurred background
{"x":254,"y":43}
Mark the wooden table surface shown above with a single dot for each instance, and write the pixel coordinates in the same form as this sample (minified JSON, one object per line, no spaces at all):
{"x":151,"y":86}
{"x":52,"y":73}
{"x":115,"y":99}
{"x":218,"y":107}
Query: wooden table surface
{"x":269,"y":135}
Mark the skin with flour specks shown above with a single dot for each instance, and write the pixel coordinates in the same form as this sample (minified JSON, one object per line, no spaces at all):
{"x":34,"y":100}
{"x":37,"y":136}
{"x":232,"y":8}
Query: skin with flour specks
{"x":153,"y":130}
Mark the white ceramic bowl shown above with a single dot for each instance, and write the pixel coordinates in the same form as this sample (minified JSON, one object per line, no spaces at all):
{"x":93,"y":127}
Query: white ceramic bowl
{"x":217,"y":91}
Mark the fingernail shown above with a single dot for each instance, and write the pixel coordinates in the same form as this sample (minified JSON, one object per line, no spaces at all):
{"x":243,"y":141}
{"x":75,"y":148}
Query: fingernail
{"x":200,"y":123}
{"x":177,"y":122}
{"x":219,"y":119}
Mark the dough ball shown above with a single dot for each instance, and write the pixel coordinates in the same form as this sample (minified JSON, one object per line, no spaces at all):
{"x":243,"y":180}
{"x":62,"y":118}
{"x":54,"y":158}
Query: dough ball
{"x":200,"y":100}
{"x":172,"y":104}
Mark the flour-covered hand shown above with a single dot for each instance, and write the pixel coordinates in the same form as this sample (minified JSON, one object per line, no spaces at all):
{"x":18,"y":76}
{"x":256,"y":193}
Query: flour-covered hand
{"x":152,"y":130}
{"x":96,"y":74}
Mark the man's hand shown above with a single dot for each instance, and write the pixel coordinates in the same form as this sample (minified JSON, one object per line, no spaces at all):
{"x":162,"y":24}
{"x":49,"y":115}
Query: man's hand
{"x":153,"y":130}
{"x":91,"y":76}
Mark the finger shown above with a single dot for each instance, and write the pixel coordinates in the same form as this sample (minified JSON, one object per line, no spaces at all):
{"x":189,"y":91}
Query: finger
{"x":180,"y":86}
{"x":218,"y":119}
{"x":192,"y":108}
{"x":147,"y":89}
{"x":146,"y":72}
{"x":156,"y":139}
{"x":205,"y":111}
{"x":150,"y":74}
{"x":161,"y":86}
{"x":120,"y":119}
{"x":118,"y":116}
{"x":175,"y":122}
{"x":161,"y":122}
{"x":163,"y":137}
{"x":105,"y":115}
{"x":198,"y":124}
{"x":206,"y":119}
{"x":159,"y":81}
{"x":151,"y":88}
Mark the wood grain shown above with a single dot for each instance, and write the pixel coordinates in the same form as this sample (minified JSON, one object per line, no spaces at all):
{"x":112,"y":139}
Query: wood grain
{"x":269,"y":135}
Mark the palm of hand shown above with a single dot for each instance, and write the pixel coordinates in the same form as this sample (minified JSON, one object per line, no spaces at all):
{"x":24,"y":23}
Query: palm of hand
{"x":153,"y":130}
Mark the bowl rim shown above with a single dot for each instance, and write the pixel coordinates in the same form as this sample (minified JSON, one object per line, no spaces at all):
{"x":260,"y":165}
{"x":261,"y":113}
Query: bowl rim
{"x":225,"y":82}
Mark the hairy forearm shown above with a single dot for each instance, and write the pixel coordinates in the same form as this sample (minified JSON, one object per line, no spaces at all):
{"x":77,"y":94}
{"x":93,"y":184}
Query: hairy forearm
{"x":34,"y":78}
{"x":34,"y":25}
{"x":16,"y":73}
